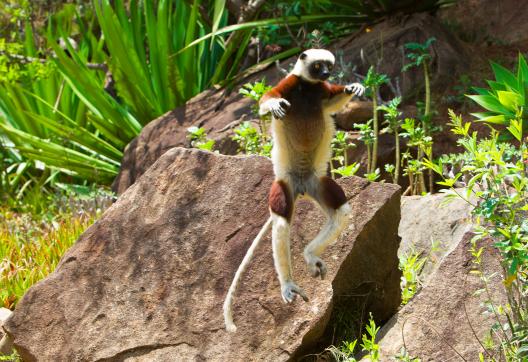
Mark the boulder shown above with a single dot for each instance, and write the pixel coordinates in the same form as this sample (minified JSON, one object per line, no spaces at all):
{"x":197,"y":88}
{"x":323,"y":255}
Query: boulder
{"x":354,"y":112}
{"x":442,"y":322}
{"x":433,"y":226}
{"x":500,"y":22}
{"x":219,"y":111}
{"x":147,"y":281}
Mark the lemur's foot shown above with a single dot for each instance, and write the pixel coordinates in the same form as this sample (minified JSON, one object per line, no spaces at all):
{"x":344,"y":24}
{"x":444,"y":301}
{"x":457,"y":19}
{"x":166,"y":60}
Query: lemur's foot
{"x":317,"y":267}
{"x":355,"y":88}
{"x":290,"y":290}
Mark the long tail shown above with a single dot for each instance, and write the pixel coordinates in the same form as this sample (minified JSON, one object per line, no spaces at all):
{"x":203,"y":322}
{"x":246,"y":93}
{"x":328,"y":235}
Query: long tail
{"x":228,"y":303}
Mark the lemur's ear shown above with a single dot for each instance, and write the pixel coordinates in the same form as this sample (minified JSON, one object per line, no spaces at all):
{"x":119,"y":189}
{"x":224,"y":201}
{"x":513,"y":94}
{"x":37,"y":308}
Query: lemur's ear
{"x":303,"y":56}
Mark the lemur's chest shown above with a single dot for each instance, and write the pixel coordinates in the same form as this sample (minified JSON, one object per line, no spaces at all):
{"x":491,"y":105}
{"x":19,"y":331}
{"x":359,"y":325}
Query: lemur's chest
{"x":304,"y":122}
{"x":306,"y":101}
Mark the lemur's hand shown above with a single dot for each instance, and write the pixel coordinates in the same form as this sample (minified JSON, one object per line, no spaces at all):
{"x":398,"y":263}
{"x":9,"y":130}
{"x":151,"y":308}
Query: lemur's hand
{"x":355,"y":88}
{"x":276,"y":106}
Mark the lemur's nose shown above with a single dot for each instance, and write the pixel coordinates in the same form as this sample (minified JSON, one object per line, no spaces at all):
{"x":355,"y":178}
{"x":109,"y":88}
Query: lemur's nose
{"x":325,"y":74}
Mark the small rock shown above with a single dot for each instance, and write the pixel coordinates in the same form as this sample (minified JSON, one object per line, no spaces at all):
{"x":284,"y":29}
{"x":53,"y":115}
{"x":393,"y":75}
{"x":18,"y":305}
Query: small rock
{"x":4,"y":315}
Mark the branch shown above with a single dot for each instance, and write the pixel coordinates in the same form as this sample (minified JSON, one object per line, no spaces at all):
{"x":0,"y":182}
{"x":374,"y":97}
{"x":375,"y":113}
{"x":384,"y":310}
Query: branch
{"x":24,"y":59}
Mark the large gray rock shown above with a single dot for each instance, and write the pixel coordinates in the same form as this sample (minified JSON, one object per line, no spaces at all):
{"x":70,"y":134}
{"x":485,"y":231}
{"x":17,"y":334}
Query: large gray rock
{"x":432,"y":226}
{"x":444,"y":320}
{"x":147,"y":281}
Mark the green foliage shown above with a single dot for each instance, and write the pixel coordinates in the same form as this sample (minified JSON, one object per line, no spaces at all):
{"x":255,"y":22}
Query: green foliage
{"x":505,"y":99}
{"x":340,"y":145}
{"x":251,"y":141}
{"x":198,"y":138}
{"x":347,"y":351}
{"x":372,"y":82}
{"x":373,"y":176}
{"x":403,"y":356}
{"x":34,"y":238}
{"x":419,"y":53}
{"x":374,"y":79}
{"x":417,"y":137}
{"x":392,"y":114}
{"x":393,"y":122}
{"x":499,"y":184}
{"x":151,"y":78}
{"x":411,"y":265}
{"x":255,"y":91}
{"x":369,"y":341}
{"x":365,"y":132}
{"x":14,"y":67}
{"x":13,"y":357}
{"x":414,"y":133}
{"x":348,"y":170}
{"x":61,"y":114}
{"x":45,"y":118}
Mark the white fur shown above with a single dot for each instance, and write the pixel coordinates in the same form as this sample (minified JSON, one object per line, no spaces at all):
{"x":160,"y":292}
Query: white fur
{"x":336,"y":222}
{"x":228,"y":303}
{"x":301,"y":70}
{"x":281,"y":248}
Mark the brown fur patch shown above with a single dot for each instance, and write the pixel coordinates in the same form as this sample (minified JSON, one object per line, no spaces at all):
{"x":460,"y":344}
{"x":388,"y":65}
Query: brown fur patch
{"x":282,"y":89}
{"x":333,"y":89}
{"x":280,"y":199}
{"x":332,"y":194}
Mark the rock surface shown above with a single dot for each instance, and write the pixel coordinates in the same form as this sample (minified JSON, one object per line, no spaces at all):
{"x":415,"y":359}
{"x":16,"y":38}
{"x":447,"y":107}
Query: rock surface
{"x":504,"y":21}
{"x":432,"y":227}
{"x":353,"y":112}
{"x":446,"y":312}
{"x":219,"y":111}
{"x":6,"y":344}
{"x":147,"y":281}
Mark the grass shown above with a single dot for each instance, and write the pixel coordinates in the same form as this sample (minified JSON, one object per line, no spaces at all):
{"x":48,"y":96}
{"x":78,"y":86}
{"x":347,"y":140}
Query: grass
{"x":32,"y":244}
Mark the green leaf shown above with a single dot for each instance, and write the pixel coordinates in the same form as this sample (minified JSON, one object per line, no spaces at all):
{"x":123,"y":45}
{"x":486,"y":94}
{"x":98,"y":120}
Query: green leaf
{"x":498,"y":119}
{"x":490,"y":103}
{"x":510,"y":100}
{"x":503,"y":75}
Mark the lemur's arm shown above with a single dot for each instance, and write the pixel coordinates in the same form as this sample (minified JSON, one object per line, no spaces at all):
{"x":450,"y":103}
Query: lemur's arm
{"x":273,"y":101}
{"x":339,"y":95}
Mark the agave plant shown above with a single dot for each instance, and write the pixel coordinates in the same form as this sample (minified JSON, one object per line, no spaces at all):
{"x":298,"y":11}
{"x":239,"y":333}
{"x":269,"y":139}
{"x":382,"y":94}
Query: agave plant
{"x":45,"y":119}
{"x":505,"y":99}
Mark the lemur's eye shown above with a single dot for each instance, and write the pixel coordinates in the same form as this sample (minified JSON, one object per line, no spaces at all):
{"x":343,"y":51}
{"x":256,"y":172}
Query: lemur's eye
{"x":317,"y":66}
{"x":330,"y":66}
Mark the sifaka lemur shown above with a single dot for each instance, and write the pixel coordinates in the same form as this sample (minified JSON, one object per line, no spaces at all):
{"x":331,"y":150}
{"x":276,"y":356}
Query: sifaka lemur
{"x":301,"y":106}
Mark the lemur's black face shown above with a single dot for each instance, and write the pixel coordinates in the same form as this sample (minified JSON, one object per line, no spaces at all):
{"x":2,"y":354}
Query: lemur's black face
{"x":320,"y":69}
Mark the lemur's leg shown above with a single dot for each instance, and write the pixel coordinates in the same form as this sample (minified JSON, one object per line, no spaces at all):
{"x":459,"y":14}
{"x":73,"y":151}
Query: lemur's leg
{"x":281,"y":207}
{"x":332,"y":200}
